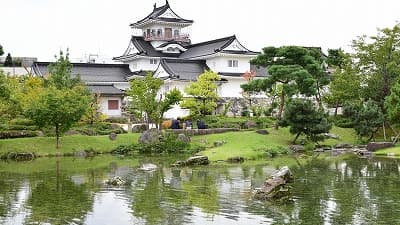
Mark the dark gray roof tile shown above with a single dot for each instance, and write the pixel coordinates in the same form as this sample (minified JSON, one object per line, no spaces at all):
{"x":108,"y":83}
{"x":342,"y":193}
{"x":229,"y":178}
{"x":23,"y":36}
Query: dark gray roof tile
{"x":105,"y":90}
{"x":184,"y":69}
{"x":91,"y":72}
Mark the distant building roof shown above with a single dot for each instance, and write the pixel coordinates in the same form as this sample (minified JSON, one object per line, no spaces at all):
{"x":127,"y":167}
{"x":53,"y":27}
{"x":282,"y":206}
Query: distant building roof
{"x":91,"y":72}
{"x":184,"y":69}
{"x":105,"y":89}
{"x":158,"y":16}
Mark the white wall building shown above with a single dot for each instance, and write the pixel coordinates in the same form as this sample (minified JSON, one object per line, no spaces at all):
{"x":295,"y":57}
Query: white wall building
{"x":164,"y":48}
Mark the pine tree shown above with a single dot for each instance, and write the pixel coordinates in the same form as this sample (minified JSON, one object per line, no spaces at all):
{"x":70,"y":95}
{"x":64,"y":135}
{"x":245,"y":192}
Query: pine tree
{"x":9,"y":61}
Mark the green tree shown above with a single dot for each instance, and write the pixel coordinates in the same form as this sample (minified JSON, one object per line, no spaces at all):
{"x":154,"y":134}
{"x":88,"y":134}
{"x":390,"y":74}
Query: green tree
{"x":8,"y":62}
{"x":146,"y":101}
{"x":345,"y":86}
{"x":303,"y":118}
{"x":1,"y":50}
{"x":367,"y":118}
{"x":62,"y":102}
{"x":60,"y":73}
{"x":59,"y":109}
{"x":297,"y":69}
{"x":377,"y":60}
{"x":203,"y":94}
{"x":392,"y":102}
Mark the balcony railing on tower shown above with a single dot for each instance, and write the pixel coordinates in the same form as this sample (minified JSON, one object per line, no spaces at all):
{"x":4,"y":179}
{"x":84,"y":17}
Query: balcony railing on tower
{"x":163,"y":37}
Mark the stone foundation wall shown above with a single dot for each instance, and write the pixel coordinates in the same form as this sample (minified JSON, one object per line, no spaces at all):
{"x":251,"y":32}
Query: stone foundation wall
{"x":193,"y":132}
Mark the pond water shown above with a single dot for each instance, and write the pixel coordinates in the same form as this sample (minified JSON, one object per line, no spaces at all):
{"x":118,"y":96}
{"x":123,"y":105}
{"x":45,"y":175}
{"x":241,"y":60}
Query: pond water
{"x":72,"y":191}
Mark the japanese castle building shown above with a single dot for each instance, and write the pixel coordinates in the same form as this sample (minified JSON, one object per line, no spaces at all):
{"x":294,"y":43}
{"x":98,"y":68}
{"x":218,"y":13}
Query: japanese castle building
{"x":164,"y":47}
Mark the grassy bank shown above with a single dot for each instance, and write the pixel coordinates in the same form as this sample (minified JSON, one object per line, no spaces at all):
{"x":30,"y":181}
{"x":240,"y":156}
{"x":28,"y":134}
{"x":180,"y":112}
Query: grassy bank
{"x":250,"y":145}
{"x":247,"y":144}
{"x":395,"y":151}
{"x":69,"y":144}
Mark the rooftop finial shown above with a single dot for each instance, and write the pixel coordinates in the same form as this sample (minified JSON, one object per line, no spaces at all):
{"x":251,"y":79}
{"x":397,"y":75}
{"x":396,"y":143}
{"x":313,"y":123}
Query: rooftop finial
{"x":166,"y":2}
{"x":155,"y":5}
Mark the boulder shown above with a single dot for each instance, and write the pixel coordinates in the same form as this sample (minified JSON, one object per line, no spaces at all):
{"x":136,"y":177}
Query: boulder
{"x":148,"y":167}
{"x":192,"y":161}
{"x":250,"y":124}
{"x":139,"y":128}
{"x":373,"y":146}
{"x":183,"y":138}
{"x":151,"y":136}
{"x":235,"y":159}
{"x":218,"y":143}
{"x":115,"y":181}
{"x":276,"y":186}
{"x":343,"y":145}
{"x":263,"y":132}
{"x":297,"y":148}
{"x":197,"y":160}
{"x":115,"y":126}
{"x":21,"y":156}
{"x":112,"y":136}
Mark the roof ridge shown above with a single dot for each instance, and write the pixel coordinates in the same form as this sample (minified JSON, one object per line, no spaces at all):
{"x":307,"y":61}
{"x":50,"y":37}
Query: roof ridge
{"x":212,"y":41}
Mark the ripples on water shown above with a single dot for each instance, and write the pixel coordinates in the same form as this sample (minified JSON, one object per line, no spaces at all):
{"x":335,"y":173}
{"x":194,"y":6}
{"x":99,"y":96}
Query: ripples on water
{"x":352,"y":191}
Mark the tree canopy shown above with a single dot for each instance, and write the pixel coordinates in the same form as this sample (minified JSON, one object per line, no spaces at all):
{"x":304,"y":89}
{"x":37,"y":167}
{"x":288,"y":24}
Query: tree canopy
{"x":203,"y":94}
{"x":1,"y":50}
{"x":147,"y":102}
{"x":299,"y":70}
{"x":303,"y":118}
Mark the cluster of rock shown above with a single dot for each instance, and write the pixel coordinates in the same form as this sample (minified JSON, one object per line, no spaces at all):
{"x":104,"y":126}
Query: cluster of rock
{"x":360,"y":150}
{"x":276,"y":186}
{"x":115,"y":181}
{"x":18,"y":156}
{"x":193,"y":161}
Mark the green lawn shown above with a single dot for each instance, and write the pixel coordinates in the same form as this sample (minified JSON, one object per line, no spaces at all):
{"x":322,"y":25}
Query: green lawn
{"x":69,"y":144}
{"x":250,"y":145}
{"x":394,"y":151}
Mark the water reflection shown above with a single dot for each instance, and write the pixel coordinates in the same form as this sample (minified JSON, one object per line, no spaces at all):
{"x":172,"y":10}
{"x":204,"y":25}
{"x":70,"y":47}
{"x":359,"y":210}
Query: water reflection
{"x":71,"y":191}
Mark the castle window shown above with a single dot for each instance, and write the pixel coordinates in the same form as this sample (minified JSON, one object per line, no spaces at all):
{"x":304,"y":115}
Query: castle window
{"x":113,"y":104}
{"x":153,"y":61}
{"x":233,"y":63}
{"x":176,"y":33}
{"x":159,"y":33}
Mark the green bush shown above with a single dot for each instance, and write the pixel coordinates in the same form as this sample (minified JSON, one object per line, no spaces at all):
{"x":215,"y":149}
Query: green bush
{"x":117,"y":120}
{"x":125,"y":149}
{"x":99,"y":129}
{"x":169,"y":143}
{"x":22,"y":122}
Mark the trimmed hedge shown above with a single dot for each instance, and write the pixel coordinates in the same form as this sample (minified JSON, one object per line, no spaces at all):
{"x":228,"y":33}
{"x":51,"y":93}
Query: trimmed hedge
{"x":236,"y":122}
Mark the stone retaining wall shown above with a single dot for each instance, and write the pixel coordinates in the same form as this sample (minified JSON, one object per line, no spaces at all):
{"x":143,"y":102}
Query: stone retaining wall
{"x":192,"y":132}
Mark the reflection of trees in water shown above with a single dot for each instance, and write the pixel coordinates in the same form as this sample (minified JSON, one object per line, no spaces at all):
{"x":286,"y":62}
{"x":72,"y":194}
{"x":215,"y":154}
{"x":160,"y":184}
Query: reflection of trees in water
{"x":56,"y":199}
{"x":10,"y":184}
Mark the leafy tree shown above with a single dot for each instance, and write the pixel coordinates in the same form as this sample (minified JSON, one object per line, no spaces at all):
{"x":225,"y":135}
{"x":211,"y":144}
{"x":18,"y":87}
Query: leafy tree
{"x":93,"y":115}
{"x":392,"y":102}
{"x":345,"y":86}
{"x":144,"y":101}
{"x":1,"y":50}
{"x":203,"y":94}
{"x":377,"y":59}
{"x":60,"y":73}
{"x":8,"y":62}
{"x":59,"y":108}
{"x":297,"y":69}
{"x":303,"y":118}
{"x":336,"y":58}
{"x":62,"y":102}
{"x":367,"y":118}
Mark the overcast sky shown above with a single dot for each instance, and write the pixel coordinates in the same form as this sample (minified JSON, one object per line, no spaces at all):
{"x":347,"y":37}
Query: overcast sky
{"x":40,"y":28}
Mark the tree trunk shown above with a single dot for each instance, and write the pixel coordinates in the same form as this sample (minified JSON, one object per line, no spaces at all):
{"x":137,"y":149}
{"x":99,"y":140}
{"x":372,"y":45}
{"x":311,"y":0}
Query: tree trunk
{"x":297,"y":136}
{"x":57,"y":136}
{"x":336,"y":108}
{"x":281,"y":106}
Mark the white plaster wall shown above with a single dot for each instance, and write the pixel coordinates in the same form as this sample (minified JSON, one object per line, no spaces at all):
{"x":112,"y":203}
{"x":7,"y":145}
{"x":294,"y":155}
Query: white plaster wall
{"x":220,"y":64}
{"x":104,"y":107}
{"x":143,"y":64}
{"x":231,"y":88}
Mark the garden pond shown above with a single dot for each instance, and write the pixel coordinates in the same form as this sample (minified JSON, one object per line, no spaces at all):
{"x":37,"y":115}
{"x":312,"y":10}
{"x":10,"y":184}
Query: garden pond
{"x":341,"y":190}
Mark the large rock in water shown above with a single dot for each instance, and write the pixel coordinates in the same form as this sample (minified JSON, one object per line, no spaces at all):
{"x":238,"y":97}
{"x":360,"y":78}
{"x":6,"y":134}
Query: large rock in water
{"x":373,"y":146}
{"x":275,"y":187}
{"x":151,"y":136}
{"x":192,"y":161}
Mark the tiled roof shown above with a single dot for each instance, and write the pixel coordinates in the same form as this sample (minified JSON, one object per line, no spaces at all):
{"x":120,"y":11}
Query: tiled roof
{"x":91,"y":72}
{"x":157,"y":13}
{"x":105,"y":89}
{"x":184,"y":69}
